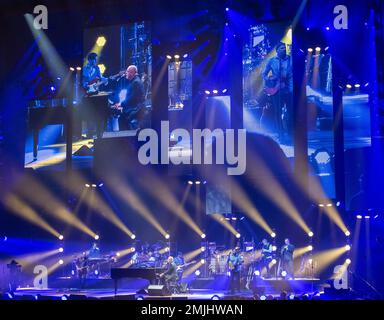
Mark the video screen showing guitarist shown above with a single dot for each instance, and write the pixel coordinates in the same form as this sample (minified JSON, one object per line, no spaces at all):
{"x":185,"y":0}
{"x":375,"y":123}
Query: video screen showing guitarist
{"x":92,"y":78}
{"x":277,"y":77}
{"x":235,"y":261}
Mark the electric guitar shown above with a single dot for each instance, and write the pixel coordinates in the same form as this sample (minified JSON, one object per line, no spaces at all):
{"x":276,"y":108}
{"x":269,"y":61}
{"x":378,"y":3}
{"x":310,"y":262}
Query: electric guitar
{"x":273,"y":86}
{"x":93,"y":86}
{"x":179,"y":267}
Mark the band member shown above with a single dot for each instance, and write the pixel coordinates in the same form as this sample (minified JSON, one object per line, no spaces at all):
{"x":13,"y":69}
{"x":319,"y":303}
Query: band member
{"x":170,"y":275}
{"x":82,"y":265}
{"x":179,"y":261}
{"x":132,"y":107}
{"x":91,"y":72}
{"x":287,"y":258}
{"x":266,"y":255}
{"x":235,"y":260}
{"x":277,"y":76}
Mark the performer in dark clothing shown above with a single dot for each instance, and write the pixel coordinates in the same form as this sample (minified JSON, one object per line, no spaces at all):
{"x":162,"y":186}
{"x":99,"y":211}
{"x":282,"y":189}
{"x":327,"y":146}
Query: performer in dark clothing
{"x":235,"y":260}
{"x":279,"y":87}
{"x":169,"y":276}
{"x":287,"y":258}
{"x":131,"y":102}
{"x":266,"y":256}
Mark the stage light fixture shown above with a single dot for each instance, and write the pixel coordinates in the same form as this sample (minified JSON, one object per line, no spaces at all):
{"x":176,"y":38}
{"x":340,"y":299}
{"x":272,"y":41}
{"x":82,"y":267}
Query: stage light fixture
{"x":101,"y":41}
{"x":185,"y":55}
{"x":308,"y":29}
{"x":321,"y":205}
{"x":273,"y":235}
{"x":169,"y":57}
{"x":133,"y":236}
{"x":263,"y":297}
{"x":215,"y":297}
{"x":94,"y":185}
{"x":347,"y":233}
{"x":284,"y":273}
{"x":176,"y":56}
{"x":87,"y":185}
{"x":329,"y":205}
{"x":227,"y":9}
{"x":376,"y":216}
{"x":140,"y":298}
{"x":167,"y":236}
{"x":318,"y":49}
{"x":202,"y":261}
{"x":257,"y":273}
{"x":291,"y":296}
{"x":274,"y":248}
{"x":102,"y":68}
{"x":78,"y":68}
{"x":202,"y":249}
{"x":197,"y":182}
{"x":338,"y":203}
{"x":117,"y":254}
{"x":310,"y":248}
{"x":203,"y":236}
{"x":347,"y":247}
{"x":72,"y":69}
{"x":197,"y":272}
{"x":61,"y":237}
{"x":359,"y":216}
{"x":190,"y":182}
{"x":310,"y":234}
{"x":224,"y":90}
{"x":367,"y":217}
{"x":357,"y":85}
{"x":97,"y":237}
{"x":310,"y":50}
{"x":348,"y":261}
{"x":238,"y":235}
{"x":349,"y":86}
{"x":274,"y":261}
{"x":327,"y":28}
{"x":61,"y":249}
{"x":101,"y":184}
{"x":133,"y":249}
{"x":53,"y":88}
{"x":61,"y":261}
{"x":215,"y":91}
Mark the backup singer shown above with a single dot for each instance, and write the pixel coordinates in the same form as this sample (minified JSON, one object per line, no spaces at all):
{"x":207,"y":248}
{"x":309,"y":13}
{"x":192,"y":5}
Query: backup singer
{"x":287,"y":258}
{"x":235,"y":260}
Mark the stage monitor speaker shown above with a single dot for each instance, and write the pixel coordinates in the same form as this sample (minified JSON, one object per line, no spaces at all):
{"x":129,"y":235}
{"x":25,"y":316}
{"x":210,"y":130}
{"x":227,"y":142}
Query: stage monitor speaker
{"x":157,"y":290}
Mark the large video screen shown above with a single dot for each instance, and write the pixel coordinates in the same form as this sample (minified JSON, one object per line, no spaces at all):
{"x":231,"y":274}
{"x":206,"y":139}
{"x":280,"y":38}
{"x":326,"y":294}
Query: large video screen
{"x":268,"y":84}
{"x":111,"y":92}
{"x":320,"y":119}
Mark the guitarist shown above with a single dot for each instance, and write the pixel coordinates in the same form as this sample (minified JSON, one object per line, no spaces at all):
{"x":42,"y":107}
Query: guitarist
{"x":91,"y":72}
{"x":235,"y":260}
{"x":266,"y":255}
{"x":278,"y":81}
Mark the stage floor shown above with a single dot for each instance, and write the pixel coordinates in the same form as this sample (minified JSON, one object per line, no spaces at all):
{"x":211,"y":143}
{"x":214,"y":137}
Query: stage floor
{"x":267,"y":287}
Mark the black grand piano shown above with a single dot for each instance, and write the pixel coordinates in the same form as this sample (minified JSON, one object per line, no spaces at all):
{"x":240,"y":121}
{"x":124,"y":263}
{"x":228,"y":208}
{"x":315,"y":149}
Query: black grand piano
{"x":59,"y":111}
{"x":143,"y":273}
{"x":44,"y":112}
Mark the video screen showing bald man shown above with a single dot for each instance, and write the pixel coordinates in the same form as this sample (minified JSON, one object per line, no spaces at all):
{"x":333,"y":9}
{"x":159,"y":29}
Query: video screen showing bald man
{"x":122,"y":78}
